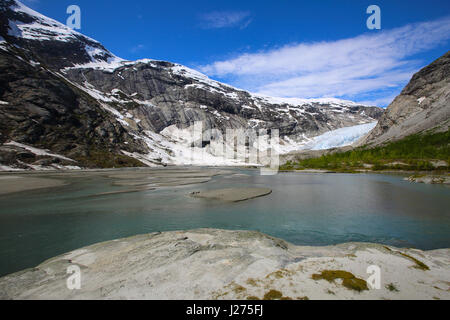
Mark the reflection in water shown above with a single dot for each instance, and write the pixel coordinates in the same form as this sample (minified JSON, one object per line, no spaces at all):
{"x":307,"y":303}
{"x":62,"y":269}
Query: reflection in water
{"x":309,"y":209}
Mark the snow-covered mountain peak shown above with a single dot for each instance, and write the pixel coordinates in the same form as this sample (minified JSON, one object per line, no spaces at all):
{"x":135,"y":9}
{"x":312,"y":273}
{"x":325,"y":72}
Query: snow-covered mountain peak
{"x":35,"y":26}
{"x":25,"y":26}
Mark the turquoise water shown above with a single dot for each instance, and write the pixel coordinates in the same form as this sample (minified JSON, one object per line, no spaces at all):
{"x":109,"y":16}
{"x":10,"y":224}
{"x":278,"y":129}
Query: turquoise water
{"x":305,"y":209}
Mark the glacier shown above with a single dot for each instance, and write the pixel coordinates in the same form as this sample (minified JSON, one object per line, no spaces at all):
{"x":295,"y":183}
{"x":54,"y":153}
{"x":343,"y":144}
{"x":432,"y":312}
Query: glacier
{"x":339,"y":138}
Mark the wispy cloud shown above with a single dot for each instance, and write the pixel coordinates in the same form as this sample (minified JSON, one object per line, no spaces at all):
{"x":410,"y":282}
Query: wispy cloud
{"x":137,"y":48}
{"x":369,"y":67}
{"x":225,"y":19}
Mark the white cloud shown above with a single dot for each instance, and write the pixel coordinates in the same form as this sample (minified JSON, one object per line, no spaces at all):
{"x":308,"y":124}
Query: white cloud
{"x":225,"y":19}
{"x":383,"y":101}
{"x":137,"y":48}
{"x":368,"y":67}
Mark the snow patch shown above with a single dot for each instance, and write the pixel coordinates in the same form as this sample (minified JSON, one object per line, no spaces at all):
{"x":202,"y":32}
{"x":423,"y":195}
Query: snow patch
{"x":37,"y":151}
{"x":42,"y":28}
{"x":173,"y":146}
{"x":8,"y":168}
{"x":334,"y":102}
{"x":421,"y":99}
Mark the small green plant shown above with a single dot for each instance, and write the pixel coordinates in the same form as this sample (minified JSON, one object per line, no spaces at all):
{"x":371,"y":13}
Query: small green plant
{"x":392,"y":287}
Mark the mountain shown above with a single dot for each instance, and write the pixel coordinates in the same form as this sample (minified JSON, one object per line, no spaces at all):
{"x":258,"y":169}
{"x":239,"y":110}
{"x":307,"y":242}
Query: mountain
{"x":423,"y":105}
{"x":66,"y":102}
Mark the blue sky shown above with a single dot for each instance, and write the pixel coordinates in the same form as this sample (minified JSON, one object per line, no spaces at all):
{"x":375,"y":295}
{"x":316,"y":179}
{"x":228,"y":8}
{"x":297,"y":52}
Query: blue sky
{"x":307,"y":49}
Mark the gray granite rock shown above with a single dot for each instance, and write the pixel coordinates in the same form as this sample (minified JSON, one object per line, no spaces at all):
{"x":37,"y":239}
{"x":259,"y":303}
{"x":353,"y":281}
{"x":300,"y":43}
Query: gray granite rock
{"x":220,"y":264}
{"x":424,"y":104}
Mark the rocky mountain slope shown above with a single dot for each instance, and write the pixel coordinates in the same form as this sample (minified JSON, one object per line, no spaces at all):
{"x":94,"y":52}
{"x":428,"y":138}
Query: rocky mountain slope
{"x":65,"y":94}
{"x":424,"y":104}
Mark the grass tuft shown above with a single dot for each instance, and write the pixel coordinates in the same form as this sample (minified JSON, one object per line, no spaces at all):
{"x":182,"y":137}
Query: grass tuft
{"x":414,"y":152}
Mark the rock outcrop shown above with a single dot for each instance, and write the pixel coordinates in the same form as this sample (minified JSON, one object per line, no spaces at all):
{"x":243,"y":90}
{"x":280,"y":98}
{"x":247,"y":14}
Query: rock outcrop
{"x":424,"y":104}
{"x":219,"y":264}
{"x":41,"y":109}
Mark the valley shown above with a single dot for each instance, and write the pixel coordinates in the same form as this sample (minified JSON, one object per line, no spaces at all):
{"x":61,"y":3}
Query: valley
{"x":155,"y":181}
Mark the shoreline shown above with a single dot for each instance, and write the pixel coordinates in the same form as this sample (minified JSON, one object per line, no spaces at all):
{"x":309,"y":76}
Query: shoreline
{"x":426,"y":177}
{"x":225,"y":264}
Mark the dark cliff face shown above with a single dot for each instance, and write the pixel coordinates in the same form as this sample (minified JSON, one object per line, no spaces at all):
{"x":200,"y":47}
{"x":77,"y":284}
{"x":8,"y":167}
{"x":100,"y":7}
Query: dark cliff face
{"x":424,"y":104}
{"x":65,"y":92}
{"x":42,"y":110}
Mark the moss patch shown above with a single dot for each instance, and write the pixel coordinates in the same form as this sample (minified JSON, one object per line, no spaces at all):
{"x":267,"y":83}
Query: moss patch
{"x":348,"y":279}
{"x":392,"y":287}
{"x":273,"y":295}
{"x":252,"y":282}
{"x":238,"y":289}
{"x":233,"y":287}
{"x":419,"y":264}
{"x":279,"y":274}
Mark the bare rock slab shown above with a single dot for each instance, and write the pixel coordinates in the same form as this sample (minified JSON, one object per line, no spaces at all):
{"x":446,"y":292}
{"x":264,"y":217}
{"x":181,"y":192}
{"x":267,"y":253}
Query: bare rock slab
{"x":225,"y":264}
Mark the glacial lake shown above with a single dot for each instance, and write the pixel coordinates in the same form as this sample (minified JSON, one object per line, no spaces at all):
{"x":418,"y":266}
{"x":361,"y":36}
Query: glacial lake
{"x":303,"y":208}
